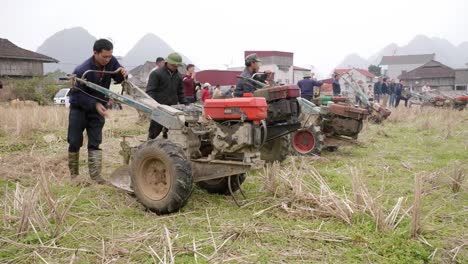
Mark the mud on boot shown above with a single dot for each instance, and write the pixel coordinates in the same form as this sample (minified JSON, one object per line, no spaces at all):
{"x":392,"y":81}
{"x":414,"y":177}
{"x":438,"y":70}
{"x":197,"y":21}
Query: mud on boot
{"x":74,"y":164}
{"x":95,"y":166}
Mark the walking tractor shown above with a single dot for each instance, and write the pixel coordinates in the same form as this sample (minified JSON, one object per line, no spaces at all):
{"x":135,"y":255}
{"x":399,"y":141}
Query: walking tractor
{"x":213,"y":146}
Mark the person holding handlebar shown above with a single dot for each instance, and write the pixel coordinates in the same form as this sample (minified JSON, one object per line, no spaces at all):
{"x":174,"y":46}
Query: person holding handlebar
{"x":88,"y":108}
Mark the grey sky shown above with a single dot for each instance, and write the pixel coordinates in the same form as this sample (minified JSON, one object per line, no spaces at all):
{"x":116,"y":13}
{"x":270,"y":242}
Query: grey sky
{"x":214,"y":33}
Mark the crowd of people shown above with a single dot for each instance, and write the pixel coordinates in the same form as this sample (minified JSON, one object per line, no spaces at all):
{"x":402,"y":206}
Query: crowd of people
{"x":389,"y":93}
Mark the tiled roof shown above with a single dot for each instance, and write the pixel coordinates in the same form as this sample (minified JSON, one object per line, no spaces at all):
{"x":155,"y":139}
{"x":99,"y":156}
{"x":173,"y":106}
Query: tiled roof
{"x":11,"y":51}
{"x":406,"y":59}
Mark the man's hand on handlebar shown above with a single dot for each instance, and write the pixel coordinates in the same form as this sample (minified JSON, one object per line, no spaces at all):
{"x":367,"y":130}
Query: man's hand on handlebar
{"x":122,"y":71}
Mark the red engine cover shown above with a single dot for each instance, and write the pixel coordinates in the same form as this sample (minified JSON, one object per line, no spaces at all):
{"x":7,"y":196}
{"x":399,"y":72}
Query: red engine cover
{"x":339,"y":99}
{"x":252,"y":108}
{"x":283,"y":92}
{"x":293,"y":91}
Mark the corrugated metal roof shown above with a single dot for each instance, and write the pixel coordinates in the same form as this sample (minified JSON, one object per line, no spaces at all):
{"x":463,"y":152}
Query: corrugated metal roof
{"x":406,"y":59}
{"x":362,"y":71}
{"x":9,"y":50}
{"x":268,"y":53}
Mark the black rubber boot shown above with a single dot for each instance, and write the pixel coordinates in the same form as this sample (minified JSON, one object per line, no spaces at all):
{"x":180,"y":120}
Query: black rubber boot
{"x":95,"y":166}
{"x":74,"y":164}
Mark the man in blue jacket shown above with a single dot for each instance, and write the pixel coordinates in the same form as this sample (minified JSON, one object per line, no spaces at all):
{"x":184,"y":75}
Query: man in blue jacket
{"x":307,"y":86}
{"x":88,"y":108}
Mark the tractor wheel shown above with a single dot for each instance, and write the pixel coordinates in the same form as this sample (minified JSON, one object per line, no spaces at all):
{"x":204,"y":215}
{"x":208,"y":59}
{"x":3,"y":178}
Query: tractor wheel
{"x":308,"y":141}
{"x":221,"y":185}
{"x":161,"y":176}
{"x":275,"y":150}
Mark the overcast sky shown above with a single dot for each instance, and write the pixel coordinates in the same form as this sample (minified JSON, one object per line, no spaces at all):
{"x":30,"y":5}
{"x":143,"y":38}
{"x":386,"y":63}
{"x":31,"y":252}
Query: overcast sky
{"x":214,"y":33}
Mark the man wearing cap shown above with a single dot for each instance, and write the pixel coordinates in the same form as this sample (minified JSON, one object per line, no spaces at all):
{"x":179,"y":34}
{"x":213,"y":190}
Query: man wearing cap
{"x":307,"y":86}
{"x":252,"y":65}
{"x":165,"y":85}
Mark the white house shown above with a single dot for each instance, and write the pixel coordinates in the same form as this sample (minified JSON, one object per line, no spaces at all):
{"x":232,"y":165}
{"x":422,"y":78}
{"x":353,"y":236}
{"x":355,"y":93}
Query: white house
{"x":393,"y":66}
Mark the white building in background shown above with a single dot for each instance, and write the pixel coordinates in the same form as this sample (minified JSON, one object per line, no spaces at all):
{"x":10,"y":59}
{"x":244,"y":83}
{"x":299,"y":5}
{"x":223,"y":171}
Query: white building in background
{"x":393,"y":66}
{"x":279,"y":62}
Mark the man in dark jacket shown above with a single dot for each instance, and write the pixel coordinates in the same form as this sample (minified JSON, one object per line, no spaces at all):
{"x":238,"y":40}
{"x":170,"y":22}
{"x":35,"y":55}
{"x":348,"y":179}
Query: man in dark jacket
{"x":399,"y":94}
{"x":88,"y":108}
{"x":252,"y":66}
{"x":165,"y":85}
{"x":336,"y":85}
{"x":378,"y":90}
{"x":307,"y":86}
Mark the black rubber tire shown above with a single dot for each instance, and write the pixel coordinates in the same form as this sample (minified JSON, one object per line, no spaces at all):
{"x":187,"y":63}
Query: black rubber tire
{"x":276,"y":149}
{"x":161,"y":157}
{"x":319,"y":139}
{"x":220,"y":186}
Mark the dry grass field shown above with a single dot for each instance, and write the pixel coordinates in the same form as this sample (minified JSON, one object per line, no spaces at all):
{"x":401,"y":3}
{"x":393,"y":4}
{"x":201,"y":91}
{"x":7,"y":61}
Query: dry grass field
{"x":399,"y":197}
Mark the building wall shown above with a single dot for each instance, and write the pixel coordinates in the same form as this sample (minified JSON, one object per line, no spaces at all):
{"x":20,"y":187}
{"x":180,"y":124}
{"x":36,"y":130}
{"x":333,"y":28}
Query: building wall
{"x":281,"y":75}
{"x":278,"y":60}
{"x":440,"y":84}
{"x":299,"y":75}
{"x":393,"y":71}
{"x":12,"y":67}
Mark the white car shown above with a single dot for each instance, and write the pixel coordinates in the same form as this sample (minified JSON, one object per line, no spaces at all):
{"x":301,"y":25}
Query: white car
{"x":62,"y":97}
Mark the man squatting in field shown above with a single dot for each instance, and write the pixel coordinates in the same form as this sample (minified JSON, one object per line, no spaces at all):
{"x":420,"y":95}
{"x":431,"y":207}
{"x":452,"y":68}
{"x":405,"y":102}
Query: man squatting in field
{"x":88,"y":108}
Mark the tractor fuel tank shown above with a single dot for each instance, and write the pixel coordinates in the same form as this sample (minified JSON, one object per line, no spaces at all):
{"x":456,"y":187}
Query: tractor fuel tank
{"x":246,"y":108}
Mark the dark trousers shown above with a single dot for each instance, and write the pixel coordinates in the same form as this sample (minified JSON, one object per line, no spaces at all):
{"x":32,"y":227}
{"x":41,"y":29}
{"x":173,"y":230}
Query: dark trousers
{"x":398,"y":98}
{"x":307,"y":97}
{"x":190,"y":99}
{"x":78,"y":121}
{"x":155,"y":129}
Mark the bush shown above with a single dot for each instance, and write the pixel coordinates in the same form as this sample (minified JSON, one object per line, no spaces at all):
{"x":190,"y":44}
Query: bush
{"x":40,"y":89}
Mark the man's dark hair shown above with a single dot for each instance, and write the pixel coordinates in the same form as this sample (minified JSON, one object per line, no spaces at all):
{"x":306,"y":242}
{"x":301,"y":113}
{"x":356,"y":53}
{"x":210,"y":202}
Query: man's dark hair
{"x":384,"y":79}
{"x":159,"y":59}
{"x":190,"y":66}
{"x":102,"y":44}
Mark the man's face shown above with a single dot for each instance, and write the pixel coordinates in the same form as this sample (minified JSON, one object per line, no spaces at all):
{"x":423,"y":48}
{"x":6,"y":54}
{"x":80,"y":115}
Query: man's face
{"x":256,"y":66}
{"x":191,"y":70}
{"x":103,"y":57}
{"x":160,"y":64}
{"x":171,"y":67}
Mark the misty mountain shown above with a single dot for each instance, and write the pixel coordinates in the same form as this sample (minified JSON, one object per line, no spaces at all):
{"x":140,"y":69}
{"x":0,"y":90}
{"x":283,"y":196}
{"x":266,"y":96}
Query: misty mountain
{"x":70,"y":46}
{"x":446,"y":52}
{"x":148,"y":48}
{"x":353,"y":61}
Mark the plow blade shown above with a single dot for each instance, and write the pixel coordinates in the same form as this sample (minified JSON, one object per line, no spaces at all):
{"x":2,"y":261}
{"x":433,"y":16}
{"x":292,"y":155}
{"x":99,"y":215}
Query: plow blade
{"x":120,"y":178}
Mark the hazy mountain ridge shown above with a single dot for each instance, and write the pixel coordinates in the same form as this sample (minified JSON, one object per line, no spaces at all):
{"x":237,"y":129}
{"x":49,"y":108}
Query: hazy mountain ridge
{"x":446,"y":52}
{"x":74,"y":45}
{"x":70,"y":46}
